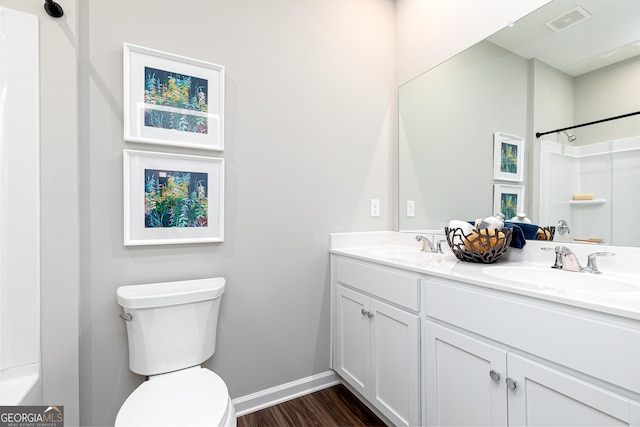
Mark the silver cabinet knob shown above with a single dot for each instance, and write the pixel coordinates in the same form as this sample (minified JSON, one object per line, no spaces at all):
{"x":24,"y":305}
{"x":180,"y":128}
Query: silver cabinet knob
{"x":367,"y":313}
{"x":511,"y":383}
{"x":495,"y":375}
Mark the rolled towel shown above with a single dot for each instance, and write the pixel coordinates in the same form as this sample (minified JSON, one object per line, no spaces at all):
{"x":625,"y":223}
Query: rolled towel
{"x":583,"y":197}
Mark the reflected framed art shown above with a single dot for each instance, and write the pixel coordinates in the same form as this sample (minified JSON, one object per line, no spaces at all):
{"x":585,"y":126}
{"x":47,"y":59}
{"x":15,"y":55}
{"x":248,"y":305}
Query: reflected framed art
{"x":508,"y":199}
{"x":508,"y":157}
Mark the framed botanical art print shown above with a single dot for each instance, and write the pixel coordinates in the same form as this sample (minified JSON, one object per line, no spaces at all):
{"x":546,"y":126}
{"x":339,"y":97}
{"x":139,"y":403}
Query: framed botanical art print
{"x":172,"y":100}
{"x":172,"y":198}
{"x":508,"y":199}
{"x":508,"y":157}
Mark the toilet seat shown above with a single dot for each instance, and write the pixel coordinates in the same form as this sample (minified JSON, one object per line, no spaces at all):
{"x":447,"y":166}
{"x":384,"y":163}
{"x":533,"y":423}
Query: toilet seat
{"x":190,"y":397}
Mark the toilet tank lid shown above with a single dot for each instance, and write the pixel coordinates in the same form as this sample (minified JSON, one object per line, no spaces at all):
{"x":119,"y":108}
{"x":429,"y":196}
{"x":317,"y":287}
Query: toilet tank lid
{"x":170,"y":293}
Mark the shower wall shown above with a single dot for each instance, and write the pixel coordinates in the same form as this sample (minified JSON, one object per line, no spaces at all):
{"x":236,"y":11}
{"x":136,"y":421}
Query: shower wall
{"x":19,"y":209}
{"x":609,"y":170}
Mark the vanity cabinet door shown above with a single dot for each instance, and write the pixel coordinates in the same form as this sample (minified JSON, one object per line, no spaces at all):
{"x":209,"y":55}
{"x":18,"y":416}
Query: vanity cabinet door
{"x":352,"y":340}
{"x":546,"y":397}
{"x":465,"y":380}
{"x":395,"y":363}
{"x":470,"y":382}
{"x":377,"y":353}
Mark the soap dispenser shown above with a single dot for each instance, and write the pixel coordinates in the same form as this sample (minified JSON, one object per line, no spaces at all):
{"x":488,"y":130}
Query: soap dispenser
{"x":521,"y":217}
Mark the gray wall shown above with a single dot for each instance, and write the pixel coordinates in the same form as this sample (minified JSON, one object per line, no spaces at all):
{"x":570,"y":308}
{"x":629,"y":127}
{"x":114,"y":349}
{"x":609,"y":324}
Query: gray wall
{"x":604,"y":93}
{"x":309,"y":131}
{"x":562,"y":101}
{"x":446,"y":124}
{"x":430,"y":32}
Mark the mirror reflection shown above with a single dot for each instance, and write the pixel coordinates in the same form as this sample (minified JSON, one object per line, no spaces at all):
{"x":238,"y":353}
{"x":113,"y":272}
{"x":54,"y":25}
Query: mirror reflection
{"x":532,"y":77}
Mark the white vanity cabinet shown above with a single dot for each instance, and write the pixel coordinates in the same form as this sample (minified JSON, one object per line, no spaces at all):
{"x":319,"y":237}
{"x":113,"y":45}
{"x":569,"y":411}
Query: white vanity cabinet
{"x":492,"y":359}
{"x":376,"y":341}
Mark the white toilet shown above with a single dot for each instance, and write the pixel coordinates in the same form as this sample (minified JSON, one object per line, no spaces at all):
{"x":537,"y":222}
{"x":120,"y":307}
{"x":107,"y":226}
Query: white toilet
{"x":172,"y":330}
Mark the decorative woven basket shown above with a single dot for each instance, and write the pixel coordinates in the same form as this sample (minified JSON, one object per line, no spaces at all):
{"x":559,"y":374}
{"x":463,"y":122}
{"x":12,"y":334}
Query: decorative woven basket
{"x":484,"y":246}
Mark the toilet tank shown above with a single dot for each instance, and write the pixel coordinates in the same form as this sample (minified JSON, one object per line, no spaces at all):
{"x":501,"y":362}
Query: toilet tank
{"x":171,"y":325}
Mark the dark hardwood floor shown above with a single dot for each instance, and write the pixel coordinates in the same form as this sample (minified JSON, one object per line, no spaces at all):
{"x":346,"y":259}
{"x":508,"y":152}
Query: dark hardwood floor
{"x":331,"y":407}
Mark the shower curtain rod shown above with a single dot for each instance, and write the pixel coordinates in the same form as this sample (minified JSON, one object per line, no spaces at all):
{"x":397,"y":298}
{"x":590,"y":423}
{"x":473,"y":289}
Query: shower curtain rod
{"x":539,"y":134}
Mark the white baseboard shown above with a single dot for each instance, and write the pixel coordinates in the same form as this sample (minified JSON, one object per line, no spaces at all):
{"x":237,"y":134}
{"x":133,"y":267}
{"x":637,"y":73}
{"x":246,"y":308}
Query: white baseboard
{"x":274,"y":395}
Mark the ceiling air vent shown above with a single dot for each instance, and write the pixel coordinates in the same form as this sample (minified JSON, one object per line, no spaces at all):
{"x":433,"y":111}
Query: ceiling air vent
{"x":568,"y":19}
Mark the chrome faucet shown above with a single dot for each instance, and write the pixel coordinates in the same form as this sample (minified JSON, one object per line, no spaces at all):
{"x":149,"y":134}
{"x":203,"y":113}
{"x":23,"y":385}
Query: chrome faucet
{"x":427,"y":245}
{"x":567,"y":260}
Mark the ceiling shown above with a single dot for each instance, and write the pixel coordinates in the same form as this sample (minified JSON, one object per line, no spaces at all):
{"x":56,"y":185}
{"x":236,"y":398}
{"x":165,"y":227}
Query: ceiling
{"x":611,"y":34}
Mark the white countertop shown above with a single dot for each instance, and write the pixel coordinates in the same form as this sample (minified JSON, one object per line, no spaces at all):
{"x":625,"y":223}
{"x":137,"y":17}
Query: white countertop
{"x":379,"y":247}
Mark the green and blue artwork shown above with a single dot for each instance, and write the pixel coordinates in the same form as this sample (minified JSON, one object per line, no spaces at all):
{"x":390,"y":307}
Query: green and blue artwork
{"x":175,"y":101}
{"x":508,"y":158}
{"x":509,"y":204}
{"x":175,"y":199}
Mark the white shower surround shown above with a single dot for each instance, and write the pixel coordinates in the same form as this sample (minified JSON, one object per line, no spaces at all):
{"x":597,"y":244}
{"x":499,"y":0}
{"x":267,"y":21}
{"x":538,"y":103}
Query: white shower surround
{"x":20,"y":361}
{"x":609,"y":170}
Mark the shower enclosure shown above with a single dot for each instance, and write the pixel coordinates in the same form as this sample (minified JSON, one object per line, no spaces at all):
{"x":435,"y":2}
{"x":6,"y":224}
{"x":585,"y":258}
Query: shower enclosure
{"x":20,"y":367}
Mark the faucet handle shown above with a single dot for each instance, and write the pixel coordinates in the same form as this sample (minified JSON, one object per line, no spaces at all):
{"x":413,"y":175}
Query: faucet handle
{"x":439,"y":245}
{"x":592,"y":267}
{"x":558,"y":251}
{"x":427,"y":246}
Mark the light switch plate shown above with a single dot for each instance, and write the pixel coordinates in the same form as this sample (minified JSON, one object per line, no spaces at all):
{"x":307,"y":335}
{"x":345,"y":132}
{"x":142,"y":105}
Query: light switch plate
{"x":375,"y":207}
{"x":411,"y":208}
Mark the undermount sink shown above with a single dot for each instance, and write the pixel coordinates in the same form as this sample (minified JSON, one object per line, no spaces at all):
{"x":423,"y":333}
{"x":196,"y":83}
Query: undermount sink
{"x":412,"y":255}
{"x":555,"y":280}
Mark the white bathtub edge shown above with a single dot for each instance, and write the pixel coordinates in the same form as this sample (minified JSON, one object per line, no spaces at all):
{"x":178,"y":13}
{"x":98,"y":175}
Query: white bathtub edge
{"x":21,"y":386}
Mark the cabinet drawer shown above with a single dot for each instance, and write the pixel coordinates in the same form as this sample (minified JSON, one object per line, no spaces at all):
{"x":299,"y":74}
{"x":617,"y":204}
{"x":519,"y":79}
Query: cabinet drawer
{"x":392,"y":285}
{"x":582,"y":340}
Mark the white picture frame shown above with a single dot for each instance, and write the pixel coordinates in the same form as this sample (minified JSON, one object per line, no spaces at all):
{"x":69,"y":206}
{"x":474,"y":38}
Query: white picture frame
{"x":508,"y":157}
{"x":172,"y":198}
{"x":508,"y":199}
{"x":172,"y":100}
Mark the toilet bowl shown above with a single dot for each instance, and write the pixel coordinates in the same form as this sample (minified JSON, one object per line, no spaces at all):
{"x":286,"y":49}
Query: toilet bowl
{"x":171,"y":329}
{"x":190,"y":397}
